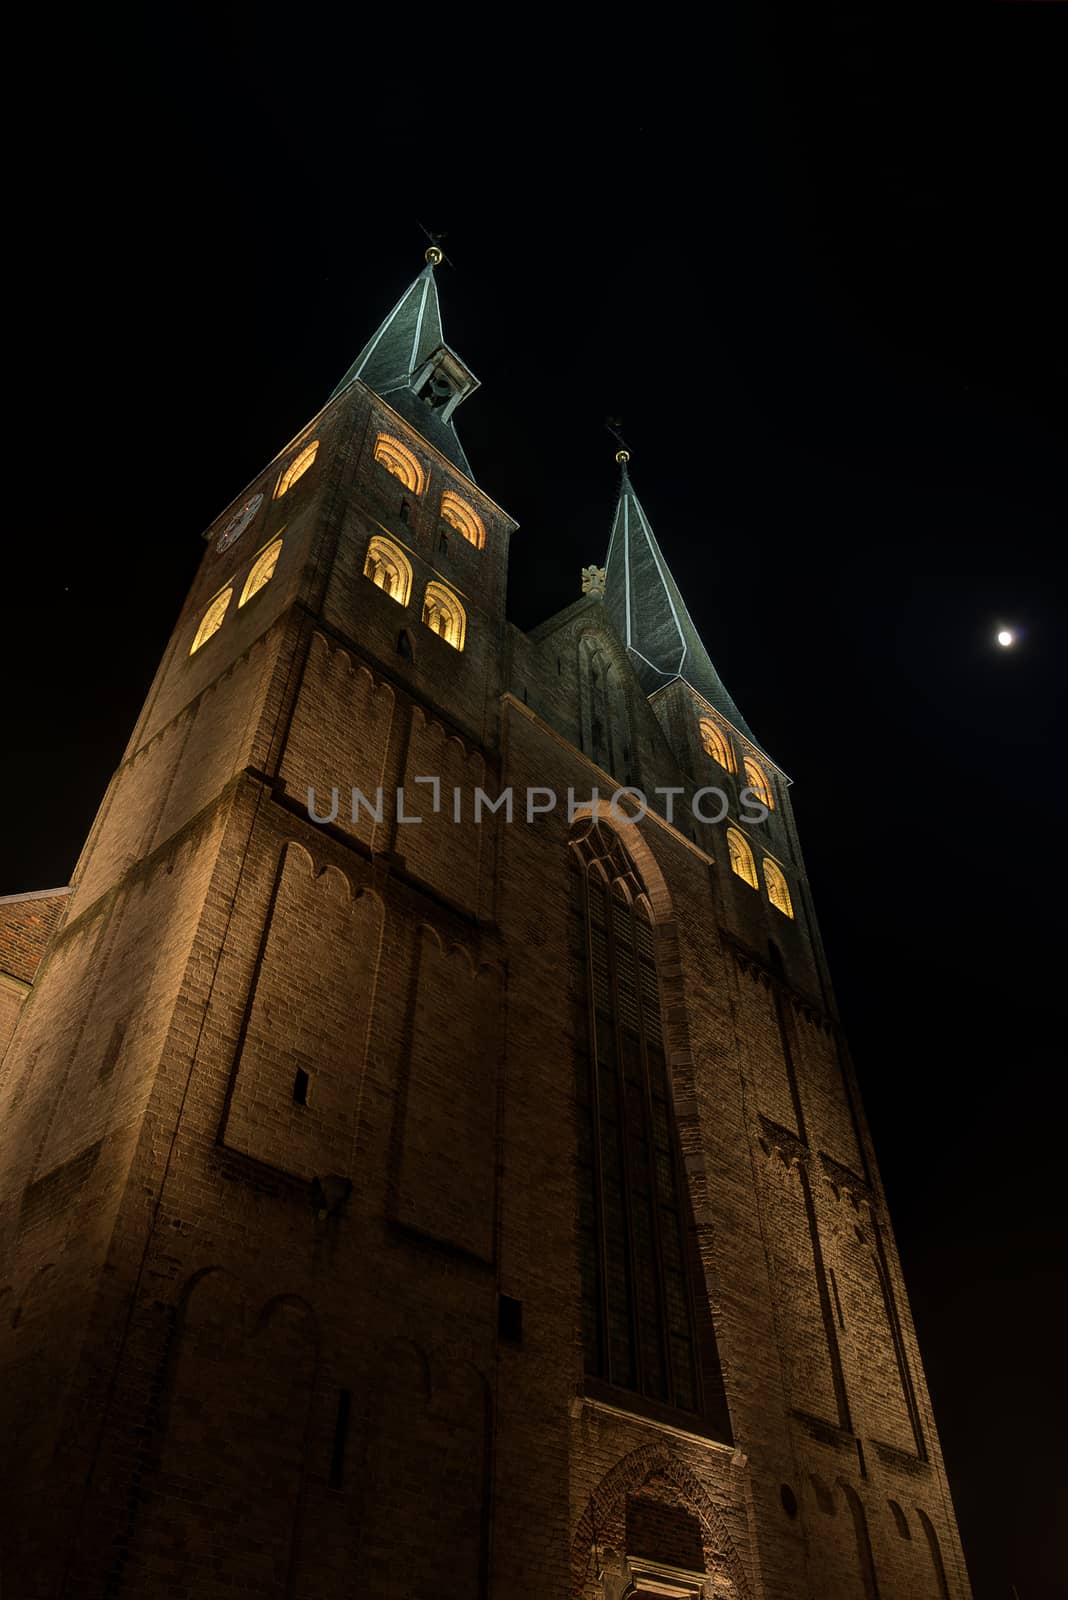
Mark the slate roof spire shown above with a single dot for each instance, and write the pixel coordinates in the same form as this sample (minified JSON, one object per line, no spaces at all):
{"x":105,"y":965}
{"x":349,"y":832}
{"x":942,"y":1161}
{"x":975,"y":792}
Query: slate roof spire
{"x":647,"y":609}
{"x":409,"y":364}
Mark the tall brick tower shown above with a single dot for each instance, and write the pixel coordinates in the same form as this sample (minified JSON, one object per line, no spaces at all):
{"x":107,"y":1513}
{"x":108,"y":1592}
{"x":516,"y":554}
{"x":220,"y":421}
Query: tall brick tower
{"x":417,"y":1181}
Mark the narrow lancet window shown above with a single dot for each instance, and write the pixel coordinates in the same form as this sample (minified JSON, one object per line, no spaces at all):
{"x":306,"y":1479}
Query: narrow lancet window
{"x":389,"y":568}
{"x":716,"y":743}
{"x":262,"y":571}
{"x":443,"y":613}
{"x":212,"y":620}
{"x":778,"y":889}
{"x":742,"y":857}
{"x":296,"y":469}
{"x":758,"y":782}
{"x":646,"y":1325}
{"x":399,"y":460}
{"x":459,"y":515}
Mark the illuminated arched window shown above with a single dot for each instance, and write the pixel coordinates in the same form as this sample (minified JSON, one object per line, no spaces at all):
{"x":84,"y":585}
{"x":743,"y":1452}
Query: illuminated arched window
{"x":646,"y":1325}
{"x":716,"y":743}
{"x":443,"y":612}
{"x":296,"y":469}
{"x":459,"y":515}
{"x":398,"y":459}
{"x":389,"y":568}
{"x":262,"y":570}
{"x":212,"y":620}
{"x":741,"y":857}
{"x":778,"y":889}
{"x":758,"y":782}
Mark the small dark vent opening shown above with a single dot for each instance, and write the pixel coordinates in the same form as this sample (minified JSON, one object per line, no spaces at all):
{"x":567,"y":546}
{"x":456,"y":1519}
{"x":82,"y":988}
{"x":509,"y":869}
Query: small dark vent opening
{"x":510,"y":1319}
{"x":300,"y":1087}
{"x":341,"y":1436}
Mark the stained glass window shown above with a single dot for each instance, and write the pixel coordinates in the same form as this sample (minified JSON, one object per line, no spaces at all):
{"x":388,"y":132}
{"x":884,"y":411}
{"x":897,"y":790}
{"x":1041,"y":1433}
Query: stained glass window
{"x":634,"y":1249}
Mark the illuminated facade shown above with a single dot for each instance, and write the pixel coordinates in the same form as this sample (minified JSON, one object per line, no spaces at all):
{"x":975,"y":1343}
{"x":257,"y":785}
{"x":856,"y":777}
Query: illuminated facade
{"x":403,"y":1204}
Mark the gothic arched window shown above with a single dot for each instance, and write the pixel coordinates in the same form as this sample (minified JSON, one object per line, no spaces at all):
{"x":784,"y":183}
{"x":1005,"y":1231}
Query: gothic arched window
{"x":262,"y":570}
{"x":296,"y":469}
{"x":212,"y":620}
{"x":646,"y":1325}
{"x":758,"y":782}
{"x":716,"y":743}
{"x":389,"y":568}
{"x":399,"y":460}
{"x":443,"y":613}
{"x":741,"y":857}
{"x":459,"y":515}
{"x":778,"y":888}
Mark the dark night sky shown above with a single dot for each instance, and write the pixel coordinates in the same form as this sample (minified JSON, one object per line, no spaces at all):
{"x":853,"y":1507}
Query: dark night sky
{"x":814,"y":265}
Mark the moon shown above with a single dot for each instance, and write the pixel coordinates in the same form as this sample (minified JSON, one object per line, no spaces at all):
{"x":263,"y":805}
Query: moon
{"x":1006,"y":637}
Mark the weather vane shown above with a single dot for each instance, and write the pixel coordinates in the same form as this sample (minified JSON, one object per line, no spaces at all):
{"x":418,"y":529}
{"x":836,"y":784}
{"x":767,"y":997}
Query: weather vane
{"x":435,"y":254}
{"x":614,"y":424}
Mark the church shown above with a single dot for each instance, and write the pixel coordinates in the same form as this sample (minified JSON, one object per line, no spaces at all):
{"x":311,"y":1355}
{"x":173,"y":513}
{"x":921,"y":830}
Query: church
{"x":432,"y":1163}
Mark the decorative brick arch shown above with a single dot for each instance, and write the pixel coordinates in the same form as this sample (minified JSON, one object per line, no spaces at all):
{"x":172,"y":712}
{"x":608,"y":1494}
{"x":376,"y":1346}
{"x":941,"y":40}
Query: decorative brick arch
{"x":597,"y":648}
{"x":606,"y":1513}
{"x":216,"y":1353}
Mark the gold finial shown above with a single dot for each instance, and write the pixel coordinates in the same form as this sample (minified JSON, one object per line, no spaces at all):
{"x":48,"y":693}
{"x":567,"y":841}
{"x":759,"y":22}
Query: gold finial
{"x":434,"y":255}
{"x":622,"y":456}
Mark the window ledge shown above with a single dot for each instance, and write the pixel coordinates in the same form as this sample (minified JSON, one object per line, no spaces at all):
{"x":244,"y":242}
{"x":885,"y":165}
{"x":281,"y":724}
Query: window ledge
{"x":600,"y":1396}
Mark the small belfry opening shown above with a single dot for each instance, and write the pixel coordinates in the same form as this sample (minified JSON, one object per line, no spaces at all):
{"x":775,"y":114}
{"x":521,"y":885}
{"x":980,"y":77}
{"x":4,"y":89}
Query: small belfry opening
{"x":716,"y":743}
{"x":262,"y":571}
{"x":296,"y":469}
{"x":212,"y":620}
{"x":389,"y":568}
{"x":742,"y":862}
{"x":758,"y":782}
{"x":778,"y":889}
{"x":444,"y":615}
{"x":464,"y":518}
{"x":399,"y":460}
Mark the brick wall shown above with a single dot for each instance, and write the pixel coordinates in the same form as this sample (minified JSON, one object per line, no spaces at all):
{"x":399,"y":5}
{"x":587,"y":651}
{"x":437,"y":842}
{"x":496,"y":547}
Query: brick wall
{"x":251,"y":1320}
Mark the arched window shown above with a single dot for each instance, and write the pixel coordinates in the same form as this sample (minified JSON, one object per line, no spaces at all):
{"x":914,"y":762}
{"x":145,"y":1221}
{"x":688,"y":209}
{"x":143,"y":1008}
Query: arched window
{"x":443,"y":613}
{"x":296,"y":469}
{"x":262,"y":571}
{"x":758,"y":782}
{"x":778,"y":889}
{"x":389,"y":568}
{"x":741,"y":857}
{"x":459,"y":515}
{"x":212,"y":620}
{"x":716,"y":743}
{"x":646,"y":1324}
{"x":399,"y":460}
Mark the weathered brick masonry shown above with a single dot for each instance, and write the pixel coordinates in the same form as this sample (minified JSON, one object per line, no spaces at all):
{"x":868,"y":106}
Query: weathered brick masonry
{"x":295,"y":1300}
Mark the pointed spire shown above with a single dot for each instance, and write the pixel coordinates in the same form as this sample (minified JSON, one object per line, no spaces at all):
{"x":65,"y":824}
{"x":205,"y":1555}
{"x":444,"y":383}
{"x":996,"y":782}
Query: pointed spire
{"x":410,"y":366}
{"x":648,"y":611}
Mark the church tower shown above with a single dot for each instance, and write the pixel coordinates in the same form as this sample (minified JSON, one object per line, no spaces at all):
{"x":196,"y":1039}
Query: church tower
{"x":431,"y":1161}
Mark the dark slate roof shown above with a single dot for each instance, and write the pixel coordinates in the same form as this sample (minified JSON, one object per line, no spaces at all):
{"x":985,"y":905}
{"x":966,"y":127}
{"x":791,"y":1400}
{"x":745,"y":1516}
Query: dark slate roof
{"x":404,"y":343}
{"x":649,"y":614}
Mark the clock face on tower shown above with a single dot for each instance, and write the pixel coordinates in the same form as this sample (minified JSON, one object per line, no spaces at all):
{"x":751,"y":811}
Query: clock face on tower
{"x":239,"y":522}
